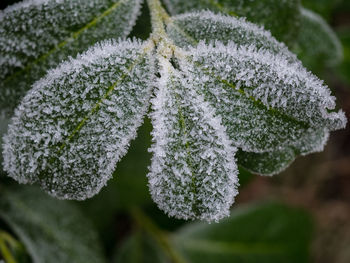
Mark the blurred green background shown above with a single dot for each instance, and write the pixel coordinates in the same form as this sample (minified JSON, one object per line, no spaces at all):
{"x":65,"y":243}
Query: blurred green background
{"x":300,"y":215}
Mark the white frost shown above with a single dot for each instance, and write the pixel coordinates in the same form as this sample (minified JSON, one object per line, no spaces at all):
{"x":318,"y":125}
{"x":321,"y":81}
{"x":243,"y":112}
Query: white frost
{"x":193,"y":172}
{"x":76,"y":123}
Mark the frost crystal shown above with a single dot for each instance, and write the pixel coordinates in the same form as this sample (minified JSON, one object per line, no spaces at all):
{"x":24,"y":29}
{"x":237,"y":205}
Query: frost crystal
{"x":193,"y":172}
{"x":224,"y":92}
{"x":190,"y":28}
{"x":257,"y":92}
{"x":281,"y":17}
{"x":76,"y":123}
{"x":37,"y":35}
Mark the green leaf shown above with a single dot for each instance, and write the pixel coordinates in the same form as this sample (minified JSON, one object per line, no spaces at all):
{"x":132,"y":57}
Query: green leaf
{"x":256,"y":92}
{"x":317,"y":44}
{"x":325,"y":8}
{"x":344,"y":68}
{"x":51,"y":230}
{"x":37,"y":35}
{"x":193,"y":173}
{"x":76,"y":123}
{"x":139,"y":248}
{"x":266,"y":163}
{"x":11,"y":249}
{"x":4,"y":121}
{"x":191,"y":28}
{"x":259,"y":233}
{"x":279,"y":17}
{"x":127,"y":188}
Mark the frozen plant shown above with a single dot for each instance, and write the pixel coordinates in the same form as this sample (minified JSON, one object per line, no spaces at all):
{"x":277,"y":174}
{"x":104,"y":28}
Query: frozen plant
{"x":220,"y":92}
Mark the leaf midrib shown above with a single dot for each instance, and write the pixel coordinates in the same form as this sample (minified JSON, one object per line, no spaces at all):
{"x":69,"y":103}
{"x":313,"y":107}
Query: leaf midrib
{"x":188,"y":161}
{"x":273,"y":111}
{"x":96,"y":107}
{"x":74,"y":36}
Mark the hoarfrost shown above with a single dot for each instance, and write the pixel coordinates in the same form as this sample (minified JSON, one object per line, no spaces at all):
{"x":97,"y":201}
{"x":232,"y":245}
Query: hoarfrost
{"x":76,"y":123}
{"x":189,"y":28}
{"x":214,"y":97}
{"x":281,"y":17}
{"x":36,"y":35}
{"x":257,"y":92}
{"x":193,"y":174}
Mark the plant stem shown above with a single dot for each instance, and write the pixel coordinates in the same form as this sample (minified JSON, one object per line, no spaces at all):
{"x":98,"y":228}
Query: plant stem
{"x":5,"y":252}
{"x":161,"y":237}
{"x":158,"y":15}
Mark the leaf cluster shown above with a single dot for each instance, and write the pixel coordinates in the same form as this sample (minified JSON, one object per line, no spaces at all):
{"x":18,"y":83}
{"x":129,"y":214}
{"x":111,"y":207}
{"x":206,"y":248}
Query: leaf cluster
{"x":220,"y":90}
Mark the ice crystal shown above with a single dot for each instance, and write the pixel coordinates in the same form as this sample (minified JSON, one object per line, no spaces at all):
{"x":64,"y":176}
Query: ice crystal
{"x":257,"y":92}
{"x":281,"y":17}
{"x":193,"y":172}
{"x":225,"y":92}
{"x":77,"y":122}
{"x":36,"y":35}
{"x":190,"y":28}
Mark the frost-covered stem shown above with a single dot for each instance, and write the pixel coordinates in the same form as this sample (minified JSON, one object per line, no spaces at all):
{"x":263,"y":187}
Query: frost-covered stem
{"x":158,"y":15}
{"x":161,"y":238}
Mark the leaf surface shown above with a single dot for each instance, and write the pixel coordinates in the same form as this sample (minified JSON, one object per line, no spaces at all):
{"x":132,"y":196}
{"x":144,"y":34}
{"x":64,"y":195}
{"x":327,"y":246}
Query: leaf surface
{"x":37,"y":35}
{"x":258,"y":233}
{"x":51,"y":230}
{"x":193,"y":172}
{"x":253,"y":124}
{"x":317,"y":43}
{"x":139,"y":248}
{"x":256,"y":92}
{"x":266,"y":163}
{"x":76,"y":123}
{"x":190,"y":28}
{"x":279,"y":17}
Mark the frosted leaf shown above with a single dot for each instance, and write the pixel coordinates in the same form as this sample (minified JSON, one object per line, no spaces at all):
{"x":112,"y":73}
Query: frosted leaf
{"x":274,"y":162}
{"x":266,"y":163}
{"x":193,"y":174}
{"x":190,"y":28}
{"x":36,"y":35}
{"x":51,"y":230}
{"x":317,"y":42}
{"x":72,"y":128}
{"x":4,"y":121}
{"x":257,"y":92}
{"x":281,"y":17}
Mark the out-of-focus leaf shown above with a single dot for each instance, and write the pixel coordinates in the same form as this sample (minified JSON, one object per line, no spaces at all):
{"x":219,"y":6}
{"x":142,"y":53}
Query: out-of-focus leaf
{"x":259,"y":233}
{"x":11,"y":249}
{"x":140,"y":248}
{"x":51,"y":230}
{"x":322,"y":7}
{"x":317,"y":44}
{"x":280,"y":17}
{"x":344,"y":67}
